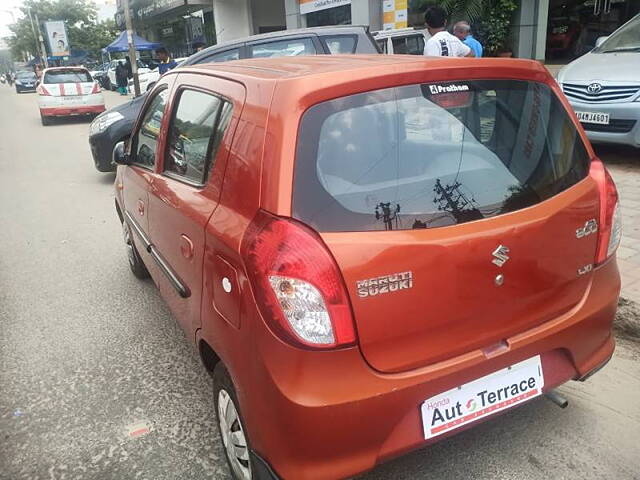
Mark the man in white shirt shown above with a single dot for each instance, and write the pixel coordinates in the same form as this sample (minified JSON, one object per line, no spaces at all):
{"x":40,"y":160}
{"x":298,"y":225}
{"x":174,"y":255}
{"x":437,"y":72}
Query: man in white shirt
{"x":442,"y":43}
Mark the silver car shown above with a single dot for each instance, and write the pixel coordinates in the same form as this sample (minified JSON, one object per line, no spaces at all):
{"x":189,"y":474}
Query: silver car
{"x":603,"y":87}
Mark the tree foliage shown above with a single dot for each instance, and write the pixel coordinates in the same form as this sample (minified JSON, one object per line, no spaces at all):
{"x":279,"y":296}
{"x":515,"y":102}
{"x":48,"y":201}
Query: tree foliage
{"x":84,"y":32}
{"x":495,"y":26}
{"x":471,"y":10}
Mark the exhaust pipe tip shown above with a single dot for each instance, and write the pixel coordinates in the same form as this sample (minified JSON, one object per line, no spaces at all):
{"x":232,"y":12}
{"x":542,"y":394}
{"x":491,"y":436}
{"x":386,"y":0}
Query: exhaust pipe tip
{"x":558,"y":399}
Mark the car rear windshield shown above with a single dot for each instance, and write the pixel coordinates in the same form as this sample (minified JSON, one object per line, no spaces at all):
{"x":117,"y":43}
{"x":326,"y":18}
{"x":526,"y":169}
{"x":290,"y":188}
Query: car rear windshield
{"x":432,"y":155}
{"x":67,"y":76}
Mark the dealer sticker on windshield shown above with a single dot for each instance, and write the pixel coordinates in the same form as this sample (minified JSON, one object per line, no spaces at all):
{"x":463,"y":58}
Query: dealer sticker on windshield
{"x":482,"y":397}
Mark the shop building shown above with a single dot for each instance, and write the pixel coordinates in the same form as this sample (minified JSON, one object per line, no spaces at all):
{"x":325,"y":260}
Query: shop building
{"x":547,"y":30}
{"x":178,"y":24}
{"x":239,"y":18}
{"x":551,"y":30}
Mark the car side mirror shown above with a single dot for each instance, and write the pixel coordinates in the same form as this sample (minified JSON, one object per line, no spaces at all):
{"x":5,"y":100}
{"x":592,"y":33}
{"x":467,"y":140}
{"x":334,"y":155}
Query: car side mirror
{"x":119,"y":155}
{"x":601,"y":40}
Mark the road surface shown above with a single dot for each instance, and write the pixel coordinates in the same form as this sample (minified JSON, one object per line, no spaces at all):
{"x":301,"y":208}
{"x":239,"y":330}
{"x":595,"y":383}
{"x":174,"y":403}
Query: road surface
{"x":98,"y":382}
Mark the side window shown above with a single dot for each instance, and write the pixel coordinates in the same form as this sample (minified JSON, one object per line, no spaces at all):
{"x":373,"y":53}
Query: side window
{"x":226,"y":56}
{"x":340,"y":43}
{"x":196,"y":130}
{"x":146,"y":140}
{"x":382,"y":43}
{"x":413,"y":45}
{"x":282,"y":48}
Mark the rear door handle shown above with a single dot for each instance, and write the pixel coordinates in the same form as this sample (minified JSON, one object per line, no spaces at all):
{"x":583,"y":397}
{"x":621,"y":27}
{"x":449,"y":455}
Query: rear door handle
{"x":186,"y":246}
{"x":140,"y":207}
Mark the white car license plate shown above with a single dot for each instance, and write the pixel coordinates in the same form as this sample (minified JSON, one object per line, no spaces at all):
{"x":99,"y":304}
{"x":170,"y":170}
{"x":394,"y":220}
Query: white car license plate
{"x":482,"y":397}
{"x":72,"y":99}
{"x":593,"y":117}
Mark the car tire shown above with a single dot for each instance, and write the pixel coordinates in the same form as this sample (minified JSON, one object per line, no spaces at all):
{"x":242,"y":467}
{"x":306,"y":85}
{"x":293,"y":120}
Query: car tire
{"x":103,"y":169}
{"x":230,"y":426}
{"x":136,"y":264}
{"x":45,"y":120}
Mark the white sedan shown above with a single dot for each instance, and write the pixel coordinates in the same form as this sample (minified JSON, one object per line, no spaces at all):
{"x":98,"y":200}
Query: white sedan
{"x":66,"y":91}
{"x":149,"y":79}
{"x":111,"y":71}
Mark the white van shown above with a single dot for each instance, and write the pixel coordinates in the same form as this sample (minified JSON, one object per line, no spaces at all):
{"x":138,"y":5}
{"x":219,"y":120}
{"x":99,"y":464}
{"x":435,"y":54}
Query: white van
{"x":407,"y":41}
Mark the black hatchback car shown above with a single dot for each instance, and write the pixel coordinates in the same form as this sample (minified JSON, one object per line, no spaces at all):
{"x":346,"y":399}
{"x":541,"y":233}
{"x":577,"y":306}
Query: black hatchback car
{"x":115,"y":125}
{"x":26,"y":82}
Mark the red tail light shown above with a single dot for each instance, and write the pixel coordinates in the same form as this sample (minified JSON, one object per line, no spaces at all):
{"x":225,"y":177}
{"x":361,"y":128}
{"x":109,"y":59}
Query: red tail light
{"x":96,"y":88}
{"x":610,"y":221}
{"x":297,"y":284}
{"x":42,"y":91}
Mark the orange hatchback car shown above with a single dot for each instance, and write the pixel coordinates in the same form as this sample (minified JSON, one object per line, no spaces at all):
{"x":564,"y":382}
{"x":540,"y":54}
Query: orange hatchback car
{"x":370,"y":253}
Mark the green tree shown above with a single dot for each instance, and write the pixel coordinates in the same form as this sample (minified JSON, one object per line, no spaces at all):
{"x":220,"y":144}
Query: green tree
{"x":473,"y":11}
{"x":495,"y":26}
{"x":80,"y":19}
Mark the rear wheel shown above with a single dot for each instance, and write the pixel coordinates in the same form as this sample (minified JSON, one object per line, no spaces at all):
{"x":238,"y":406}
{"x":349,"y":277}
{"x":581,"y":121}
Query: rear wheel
{"x":135,"y":261}
{"x":45,"y":120}
{"x":230,"y":425}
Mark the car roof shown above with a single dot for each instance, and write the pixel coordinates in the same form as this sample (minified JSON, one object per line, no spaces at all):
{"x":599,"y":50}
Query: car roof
{"x":324,"y":30}
{"x":398,"y":32}
{"x":71,"y":69}
{"x":365,"y":66}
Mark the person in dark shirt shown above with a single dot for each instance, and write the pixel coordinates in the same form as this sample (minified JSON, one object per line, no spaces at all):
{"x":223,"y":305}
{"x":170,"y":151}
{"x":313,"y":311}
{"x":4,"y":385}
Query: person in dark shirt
{"x":121,"y":78}
{"x":166,"y":62}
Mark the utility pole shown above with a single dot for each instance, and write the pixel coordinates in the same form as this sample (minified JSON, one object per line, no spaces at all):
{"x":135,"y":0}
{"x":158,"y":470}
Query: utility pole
{"x":132,"y":48}
{"x":42,"y":47}
{"x":39,"y":42}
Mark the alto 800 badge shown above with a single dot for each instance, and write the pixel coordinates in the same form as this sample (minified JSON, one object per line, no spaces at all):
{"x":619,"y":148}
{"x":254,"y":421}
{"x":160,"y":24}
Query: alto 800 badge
{"x":384,"y":284}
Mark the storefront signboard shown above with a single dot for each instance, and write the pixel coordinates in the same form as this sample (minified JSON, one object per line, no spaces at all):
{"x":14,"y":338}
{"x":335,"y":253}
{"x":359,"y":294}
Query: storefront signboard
{"x":308,"y":6}
{"x":394,"y":14}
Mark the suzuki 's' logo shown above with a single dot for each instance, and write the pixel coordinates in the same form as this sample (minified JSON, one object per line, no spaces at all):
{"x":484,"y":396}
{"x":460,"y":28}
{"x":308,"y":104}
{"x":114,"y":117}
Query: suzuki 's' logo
{"x":501,"y":255}
{"x":594,"y":88}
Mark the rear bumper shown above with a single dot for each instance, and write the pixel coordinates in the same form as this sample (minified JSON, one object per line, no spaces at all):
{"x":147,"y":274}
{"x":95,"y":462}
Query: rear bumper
{"x":23,"y":88}
{"x":327,"y":415}
{"x":629,"y":112}
{"x":51,"y":106}
{"x":75,"y":110}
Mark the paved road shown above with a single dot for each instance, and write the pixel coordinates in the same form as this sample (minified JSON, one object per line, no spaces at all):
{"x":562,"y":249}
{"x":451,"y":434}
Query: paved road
{"x":88,"y":354}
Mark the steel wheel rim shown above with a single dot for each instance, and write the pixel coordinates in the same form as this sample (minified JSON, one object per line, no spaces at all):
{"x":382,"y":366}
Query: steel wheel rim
{"x":127,"y":240}
{"x":233,"y":437}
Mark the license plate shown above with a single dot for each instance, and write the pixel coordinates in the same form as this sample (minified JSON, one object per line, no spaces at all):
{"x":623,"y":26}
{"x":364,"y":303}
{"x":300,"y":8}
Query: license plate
{"x":482,"y":397}
{"x":593,"y":117}
{"x":71,"y":98}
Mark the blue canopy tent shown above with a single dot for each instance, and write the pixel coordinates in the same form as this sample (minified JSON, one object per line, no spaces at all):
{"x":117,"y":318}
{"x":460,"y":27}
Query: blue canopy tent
{"x":120,"y":44}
